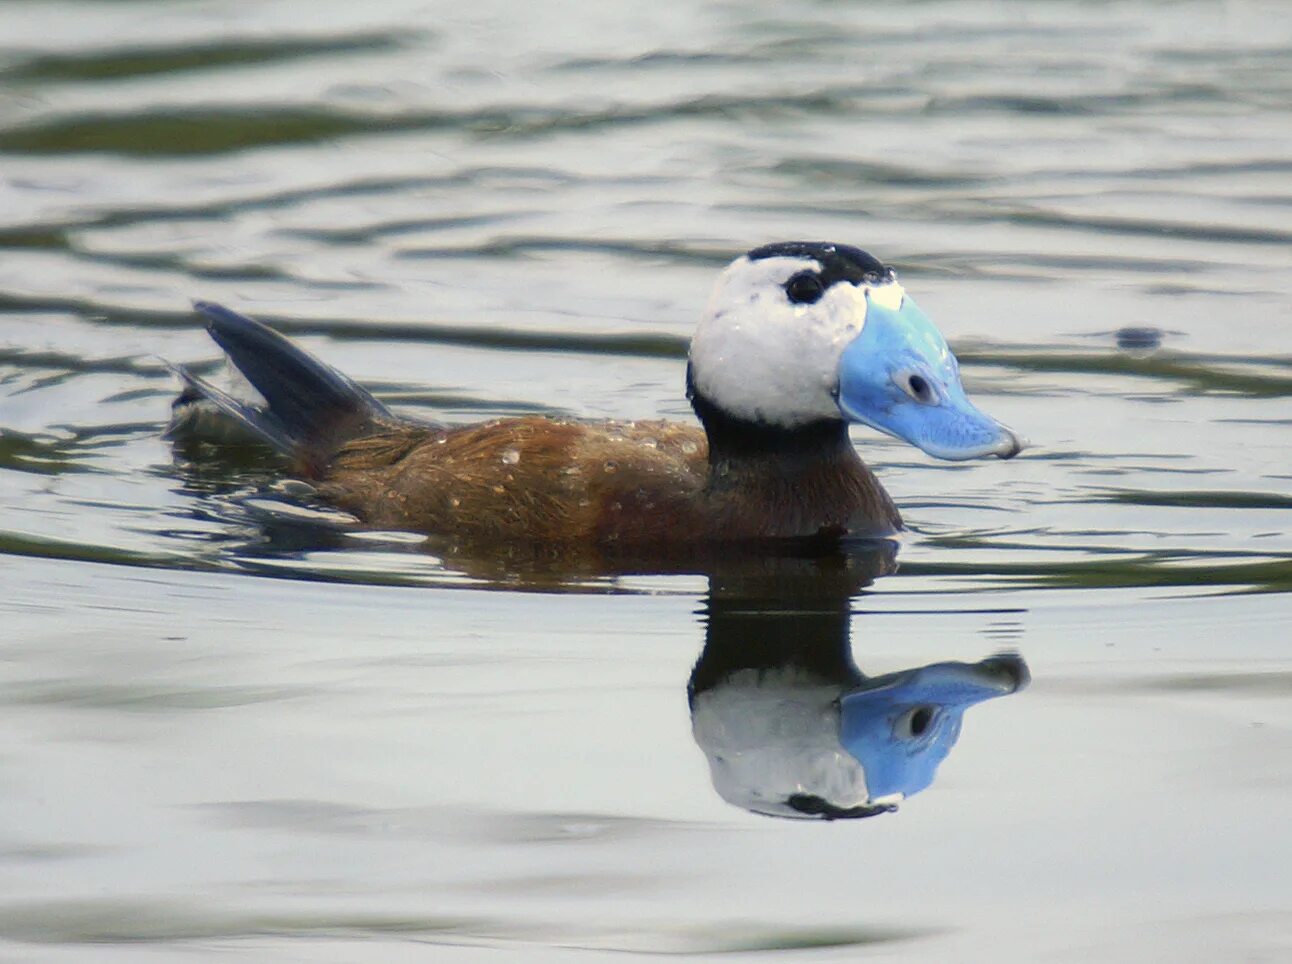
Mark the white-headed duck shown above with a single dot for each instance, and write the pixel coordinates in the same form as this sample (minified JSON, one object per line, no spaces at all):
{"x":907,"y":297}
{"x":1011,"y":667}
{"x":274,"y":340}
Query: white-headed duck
{"x":799,"y":339}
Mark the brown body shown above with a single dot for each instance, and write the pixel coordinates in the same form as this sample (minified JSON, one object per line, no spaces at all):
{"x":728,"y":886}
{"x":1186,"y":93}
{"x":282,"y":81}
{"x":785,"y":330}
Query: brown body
{"x":630,"y":485}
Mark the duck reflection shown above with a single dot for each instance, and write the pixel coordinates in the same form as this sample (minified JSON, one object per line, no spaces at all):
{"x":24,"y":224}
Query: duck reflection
{"x":790,"y":726}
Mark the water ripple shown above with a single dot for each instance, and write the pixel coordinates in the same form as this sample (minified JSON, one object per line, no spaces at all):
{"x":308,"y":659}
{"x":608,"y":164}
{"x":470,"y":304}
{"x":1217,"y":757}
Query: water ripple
{"x":124,"y":63}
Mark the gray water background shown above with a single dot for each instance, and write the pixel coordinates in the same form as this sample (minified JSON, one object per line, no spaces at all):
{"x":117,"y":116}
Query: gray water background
{"x":235,"y":728}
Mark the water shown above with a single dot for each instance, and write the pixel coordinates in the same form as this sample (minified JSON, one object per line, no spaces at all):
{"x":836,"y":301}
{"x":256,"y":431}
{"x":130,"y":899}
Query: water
{"x":236,"y":726}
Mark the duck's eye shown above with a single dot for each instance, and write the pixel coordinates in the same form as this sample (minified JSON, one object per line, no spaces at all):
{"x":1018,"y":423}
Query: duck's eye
{"x":918,"y":387}
{"x":805,"y":288}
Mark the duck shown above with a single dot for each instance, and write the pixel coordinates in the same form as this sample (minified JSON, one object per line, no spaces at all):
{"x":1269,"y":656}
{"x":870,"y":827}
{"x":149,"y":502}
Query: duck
{"x":799,"y":341}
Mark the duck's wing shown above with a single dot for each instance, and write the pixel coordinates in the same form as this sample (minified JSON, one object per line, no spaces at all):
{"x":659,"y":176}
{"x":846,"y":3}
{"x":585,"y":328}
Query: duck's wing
{"x":526,"y":479}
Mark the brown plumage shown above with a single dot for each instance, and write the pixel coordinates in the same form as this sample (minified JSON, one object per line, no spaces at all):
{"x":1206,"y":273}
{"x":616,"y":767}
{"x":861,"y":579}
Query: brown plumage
{"x":628,"y":485}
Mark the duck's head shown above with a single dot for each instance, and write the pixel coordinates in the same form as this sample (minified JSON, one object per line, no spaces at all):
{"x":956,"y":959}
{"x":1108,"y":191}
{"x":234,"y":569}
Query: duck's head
{"x":799,"y":333}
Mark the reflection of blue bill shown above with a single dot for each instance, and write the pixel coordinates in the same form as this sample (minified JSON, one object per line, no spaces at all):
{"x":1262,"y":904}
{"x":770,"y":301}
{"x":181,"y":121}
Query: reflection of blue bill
{"x":901,"y":726}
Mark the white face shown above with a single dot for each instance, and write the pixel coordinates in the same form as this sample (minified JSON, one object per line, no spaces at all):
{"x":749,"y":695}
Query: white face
{"x":759,"y":356}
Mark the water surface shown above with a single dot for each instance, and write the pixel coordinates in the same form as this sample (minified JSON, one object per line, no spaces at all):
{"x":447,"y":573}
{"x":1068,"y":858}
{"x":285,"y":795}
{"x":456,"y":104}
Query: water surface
{"x":237,"y":724}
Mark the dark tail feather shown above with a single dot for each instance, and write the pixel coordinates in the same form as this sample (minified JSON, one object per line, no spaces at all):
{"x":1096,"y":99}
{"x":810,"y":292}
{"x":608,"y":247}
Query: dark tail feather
{"x":311,"y":406}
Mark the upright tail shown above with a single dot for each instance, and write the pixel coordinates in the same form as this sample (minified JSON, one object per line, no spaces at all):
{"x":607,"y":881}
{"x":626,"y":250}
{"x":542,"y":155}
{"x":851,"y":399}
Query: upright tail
{"x":311,"y":407}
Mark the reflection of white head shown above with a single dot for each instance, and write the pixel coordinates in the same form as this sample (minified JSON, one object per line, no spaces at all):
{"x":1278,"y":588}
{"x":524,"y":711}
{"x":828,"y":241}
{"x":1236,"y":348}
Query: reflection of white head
{"x":761,"y":356}
{"x":771,"y":735}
